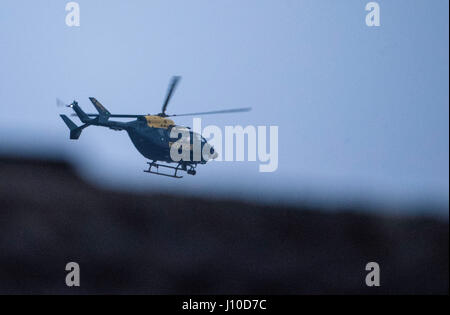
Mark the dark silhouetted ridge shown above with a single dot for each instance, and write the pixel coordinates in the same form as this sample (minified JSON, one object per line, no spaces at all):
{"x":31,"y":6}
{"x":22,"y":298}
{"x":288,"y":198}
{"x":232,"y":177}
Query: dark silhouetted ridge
{"x":161,"y":244}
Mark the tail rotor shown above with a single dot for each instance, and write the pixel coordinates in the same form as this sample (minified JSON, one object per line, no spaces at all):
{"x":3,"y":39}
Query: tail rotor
{"x":60,"y":103}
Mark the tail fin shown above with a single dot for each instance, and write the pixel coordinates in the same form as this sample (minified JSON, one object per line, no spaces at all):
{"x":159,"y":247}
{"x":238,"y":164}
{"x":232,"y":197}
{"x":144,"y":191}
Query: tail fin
{"x":103,"y":112}
{"x":80,"y":113}
{"x":75,"y":131}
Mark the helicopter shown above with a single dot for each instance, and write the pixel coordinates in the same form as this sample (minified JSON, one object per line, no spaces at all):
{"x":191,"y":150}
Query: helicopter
{"x":150,"y":134}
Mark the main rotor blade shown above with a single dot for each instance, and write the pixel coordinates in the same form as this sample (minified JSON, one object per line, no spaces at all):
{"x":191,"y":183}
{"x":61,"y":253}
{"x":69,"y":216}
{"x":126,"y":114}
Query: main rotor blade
{"x":226,"y":111}
{"x":125,"y":116}
{"x":172,"y":86}
{"x":115,"y":115}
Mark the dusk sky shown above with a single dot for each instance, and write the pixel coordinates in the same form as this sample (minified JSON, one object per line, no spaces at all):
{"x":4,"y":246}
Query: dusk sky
{"x":363,"y":112}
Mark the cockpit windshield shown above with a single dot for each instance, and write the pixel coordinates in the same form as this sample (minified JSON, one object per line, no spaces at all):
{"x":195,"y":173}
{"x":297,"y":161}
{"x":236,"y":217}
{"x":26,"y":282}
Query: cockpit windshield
{"x":183,"y":134}
{"x":197,"y":137}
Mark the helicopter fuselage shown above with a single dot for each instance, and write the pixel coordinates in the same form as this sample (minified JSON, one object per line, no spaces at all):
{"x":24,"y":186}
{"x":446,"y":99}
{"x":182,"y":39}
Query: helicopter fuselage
{"x":151,"y":135}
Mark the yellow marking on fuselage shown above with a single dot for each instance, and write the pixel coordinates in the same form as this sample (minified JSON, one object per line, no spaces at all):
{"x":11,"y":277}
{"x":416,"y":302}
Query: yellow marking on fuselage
{"x":159,"y":122}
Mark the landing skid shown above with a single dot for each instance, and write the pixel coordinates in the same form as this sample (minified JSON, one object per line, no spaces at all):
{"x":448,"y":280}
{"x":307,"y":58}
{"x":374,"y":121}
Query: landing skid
{"x":179,"y":167}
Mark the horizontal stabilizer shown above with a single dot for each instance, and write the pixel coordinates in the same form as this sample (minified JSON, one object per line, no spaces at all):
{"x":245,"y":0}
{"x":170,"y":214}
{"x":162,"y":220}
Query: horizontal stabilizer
{"x":69,"y":122}
{"x":75,"y":131}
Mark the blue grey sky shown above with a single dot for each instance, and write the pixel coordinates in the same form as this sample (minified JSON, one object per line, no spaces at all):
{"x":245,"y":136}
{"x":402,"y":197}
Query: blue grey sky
{"x":362,"y":112}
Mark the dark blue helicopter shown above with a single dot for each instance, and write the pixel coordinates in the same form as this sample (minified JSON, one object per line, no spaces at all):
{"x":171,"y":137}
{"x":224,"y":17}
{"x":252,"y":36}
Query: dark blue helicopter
{"x":150,"y":134}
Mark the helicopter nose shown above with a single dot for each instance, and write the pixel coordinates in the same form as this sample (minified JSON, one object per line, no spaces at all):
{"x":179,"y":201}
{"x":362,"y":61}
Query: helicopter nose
{"x":212,"y":153}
